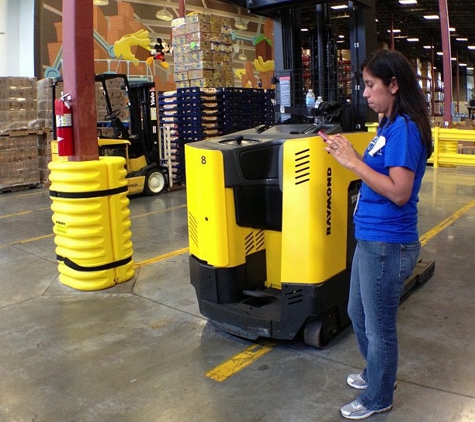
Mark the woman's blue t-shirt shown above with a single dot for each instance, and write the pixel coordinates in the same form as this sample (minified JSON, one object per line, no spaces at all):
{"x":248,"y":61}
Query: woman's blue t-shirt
{"x":377,"y":218}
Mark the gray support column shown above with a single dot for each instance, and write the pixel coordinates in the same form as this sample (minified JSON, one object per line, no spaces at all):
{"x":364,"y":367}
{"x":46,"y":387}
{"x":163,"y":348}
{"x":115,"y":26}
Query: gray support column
{"x":288,"y":55}
{"x":362,"y":43}
{"x":445,"y":33}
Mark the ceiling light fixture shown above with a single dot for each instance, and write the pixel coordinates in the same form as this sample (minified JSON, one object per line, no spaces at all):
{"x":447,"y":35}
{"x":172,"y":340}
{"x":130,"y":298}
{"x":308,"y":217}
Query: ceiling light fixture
{"x":339,"y":7}
{"x":471,"y":47}
{"x":463,"y":64}
{"x":461,"y":39}
{"x":100,"y":2}
{"x":431,"y":17}
{"x":344,"y":16}
{"x":242,"y":56}
{"x":394,"y":31}
{"x":241,"y":23}
{"x":413,"y":39}
{"x":428,"y":47}
{"x":303,"y":29}
{"x":408,"y":2}
{"x":164,"y":15}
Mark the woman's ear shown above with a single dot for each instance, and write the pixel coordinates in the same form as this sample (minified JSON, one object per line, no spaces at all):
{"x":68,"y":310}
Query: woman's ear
{"x":393,"y":86}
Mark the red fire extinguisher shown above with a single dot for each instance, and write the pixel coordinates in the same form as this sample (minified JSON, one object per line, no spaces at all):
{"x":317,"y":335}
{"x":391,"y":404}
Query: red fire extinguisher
{"x":64,"y":126}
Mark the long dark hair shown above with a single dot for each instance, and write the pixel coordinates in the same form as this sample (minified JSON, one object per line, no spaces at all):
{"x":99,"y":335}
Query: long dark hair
{"x":409,"y":100}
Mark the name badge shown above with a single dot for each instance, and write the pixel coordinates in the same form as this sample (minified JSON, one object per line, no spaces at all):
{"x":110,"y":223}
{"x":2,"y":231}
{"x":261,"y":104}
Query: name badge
{"x":381,"y":141}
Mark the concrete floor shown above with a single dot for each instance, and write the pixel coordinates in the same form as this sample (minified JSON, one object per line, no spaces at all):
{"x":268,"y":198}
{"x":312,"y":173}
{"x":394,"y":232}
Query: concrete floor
{"x":138,"y":352}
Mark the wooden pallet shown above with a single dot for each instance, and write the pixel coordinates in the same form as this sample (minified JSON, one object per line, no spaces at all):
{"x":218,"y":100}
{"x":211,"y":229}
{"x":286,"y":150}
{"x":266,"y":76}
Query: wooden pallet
{"x":19,"y":187}
{"x":21,"y":132}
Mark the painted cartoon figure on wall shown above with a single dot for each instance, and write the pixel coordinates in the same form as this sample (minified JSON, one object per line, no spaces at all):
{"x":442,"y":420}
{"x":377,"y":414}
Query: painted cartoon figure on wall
{"x":158,"y":53}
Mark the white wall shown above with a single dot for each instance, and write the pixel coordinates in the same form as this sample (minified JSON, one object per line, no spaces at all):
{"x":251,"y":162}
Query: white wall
{"x":17,"y":42}
{"x":3,"y":36}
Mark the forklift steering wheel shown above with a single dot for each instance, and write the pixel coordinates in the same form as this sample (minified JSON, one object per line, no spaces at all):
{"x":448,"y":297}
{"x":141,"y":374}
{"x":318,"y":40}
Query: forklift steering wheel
{"x":112,"y":115}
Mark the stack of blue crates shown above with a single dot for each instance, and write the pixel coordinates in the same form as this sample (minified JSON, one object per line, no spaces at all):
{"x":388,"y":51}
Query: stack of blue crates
{"x":200,"y":113}
{"x":194,"y":114}
{"x":245,"y":108}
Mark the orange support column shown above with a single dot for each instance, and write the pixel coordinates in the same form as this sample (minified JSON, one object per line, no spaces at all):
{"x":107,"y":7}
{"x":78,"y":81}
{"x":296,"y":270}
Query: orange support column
{"x":78,"y":75}
{"x":447,"y":60}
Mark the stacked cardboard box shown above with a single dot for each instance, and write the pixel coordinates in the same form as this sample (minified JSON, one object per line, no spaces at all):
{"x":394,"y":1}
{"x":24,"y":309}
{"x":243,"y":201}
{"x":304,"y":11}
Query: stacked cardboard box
{"x":17,"y":104}
{"x":117,"y":97}
{"x":18,"y":133}
{"x":45,"y":101}
{"x":202,"y":46}
{"x":45,"y":122}
{"x":18,"y":160}
{"x":44,"y":155}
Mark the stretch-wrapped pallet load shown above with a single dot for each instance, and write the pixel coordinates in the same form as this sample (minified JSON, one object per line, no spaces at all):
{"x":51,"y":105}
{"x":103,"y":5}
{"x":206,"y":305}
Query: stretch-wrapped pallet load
{"x":19,"y":126}
{"x":18,"y":108}
{"x":45,"y":101}
{"x":18,"y":161}
{"x":202,"y":46}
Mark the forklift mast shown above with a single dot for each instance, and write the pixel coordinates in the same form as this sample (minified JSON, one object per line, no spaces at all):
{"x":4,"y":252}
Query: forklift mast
{"x":142,"y":106}
{"x":143,"y":114}
{"x":120,"y":131}
{"x":287,"y":16}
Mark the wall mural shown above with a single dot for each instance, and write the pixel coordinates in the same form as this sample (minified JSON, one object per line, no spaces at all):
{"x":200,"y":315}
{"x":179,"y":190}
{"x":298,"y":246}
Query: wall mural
{"x":129,"y":38}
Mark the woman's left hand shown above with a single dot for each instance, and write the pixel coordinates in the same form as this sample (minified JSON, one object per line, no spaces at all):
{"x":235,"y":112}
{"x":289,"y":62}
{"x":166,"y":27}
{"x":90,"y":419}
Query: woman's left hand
{"x":341,"y":148}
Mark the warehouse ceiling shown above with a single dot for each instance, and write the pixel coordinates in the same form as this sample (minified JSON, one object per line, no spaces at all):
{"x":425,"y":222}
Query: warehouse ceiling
{"x":409,"y":19}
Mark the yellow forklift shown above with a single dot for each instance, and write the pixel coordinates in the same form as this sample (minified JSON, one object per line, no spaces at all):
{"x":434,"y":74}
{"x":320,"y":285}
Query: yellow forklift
{"x":137,"y":139}
{"x":137,"y":142}
{"x":271,"y":232}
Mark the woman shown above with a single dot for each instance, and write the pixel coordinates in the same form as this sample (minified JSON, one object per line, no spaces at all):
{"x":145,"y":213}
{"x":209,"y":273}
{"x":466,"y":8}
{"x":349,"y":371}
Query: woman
{"x":391,"y":171}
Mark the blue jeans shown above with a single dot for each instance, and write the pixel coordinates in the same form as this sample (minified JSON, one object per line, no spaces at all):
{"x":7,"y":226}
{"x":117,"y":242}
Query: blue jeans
{"x":377,"y":279}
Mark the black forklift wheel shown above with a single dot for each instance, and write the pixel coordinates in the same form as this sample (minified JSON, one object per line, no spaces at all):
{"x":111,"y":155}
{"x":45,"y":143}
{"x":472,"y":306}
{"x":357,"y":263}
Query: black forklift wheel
{"x":154,"y":182}
{"x":312,"y":334}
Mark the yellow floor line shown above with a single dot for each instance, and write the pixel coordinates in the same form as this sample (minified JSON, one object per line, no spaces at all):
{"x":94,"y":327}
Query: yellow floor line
{"x":445,"y":223}
{"x":23,"y":213}
{"x":15,"y":214}
{"x":22,"y":242}
{"x":8,"y":197}
{"x":157,"y":211}
{"x":161,"y":257}
{"x":240,"y":361}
